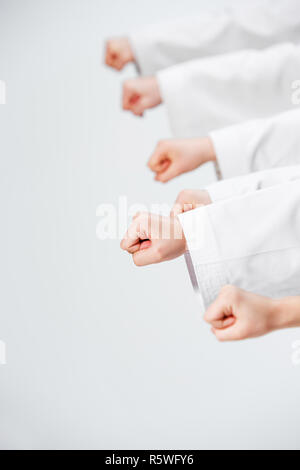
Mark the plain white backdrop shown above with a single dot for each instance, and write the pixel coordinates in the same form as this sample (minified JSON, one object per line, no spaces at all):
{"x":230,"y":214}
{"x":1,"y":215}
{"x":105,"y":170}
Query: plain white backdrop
{"x":101,"y":354}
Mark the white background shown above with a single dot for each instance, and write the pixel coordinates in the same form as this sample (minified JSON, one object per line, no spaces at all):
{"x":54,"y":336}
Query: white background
{"x":102,"y":354}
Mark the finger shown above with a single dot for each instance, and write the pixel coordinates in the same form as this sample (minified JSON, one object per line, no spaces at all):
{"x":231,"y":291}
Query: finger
{"x":165,"y":176}
{"x":159,"y":161}
{"x":227,"y":334}
{"x":180,"y":208}
{"x":176,"y":210}
{"x":137,"y":104}
{"x":145,"y":244}
{"x":127,"y":97}
{"x":218,"y":310}
{"x":137,"y":231}
{"x":163,"y":166}
{"x":221,"y":324}
{"x":145,"y":257}
{"x":130,"y":242}
{"x":112,"y":56}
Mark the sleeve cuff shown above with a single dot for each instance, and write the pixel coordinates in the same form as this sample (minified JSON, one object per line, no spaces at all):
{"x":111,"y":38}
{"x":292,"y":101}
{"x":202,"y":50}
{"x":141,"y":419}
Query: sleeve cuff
{"x":210,"y":273}
{"x":230,"y":152}
{"x":170,"y":82}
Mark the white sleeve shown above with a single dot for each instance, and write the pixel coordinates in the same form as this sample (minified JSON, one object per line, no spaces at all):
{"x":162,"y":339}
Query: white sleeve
{"x":252,"y":242}
{"x":243,"y":185}
{"x":258,"y":145}
{"x":208,"y":94}
{"x":256,"y":26}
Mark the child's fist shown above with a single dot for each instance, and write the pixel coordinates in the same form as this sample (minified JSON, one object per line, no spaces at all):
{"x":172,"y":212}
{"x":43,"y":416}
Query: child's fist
{"x":153,"y":239}
{"x":118,"y":53}
{"x":173,"y":157}
{"x":140,"y":94}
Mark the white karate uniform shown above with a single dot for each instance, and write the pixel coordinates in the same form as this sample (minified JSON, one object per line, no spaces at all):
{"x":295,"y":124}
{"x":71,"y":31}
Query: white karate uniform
{"x":249,"y":236}
{"x":258,"y":145}
{"x":208,"y":94}
{"x":257,"y":26}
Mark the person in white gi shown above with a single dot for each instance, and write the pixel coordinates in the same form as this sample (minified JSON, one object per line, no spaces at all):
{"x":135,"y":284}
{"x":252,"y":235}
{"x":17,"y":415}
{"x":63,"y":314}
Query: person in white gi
{"x":248,"y":61}
{"x":258,"y":250}
{"x":238,"y":150}
{"x":247,"y":234}
{"x":206,"y":95}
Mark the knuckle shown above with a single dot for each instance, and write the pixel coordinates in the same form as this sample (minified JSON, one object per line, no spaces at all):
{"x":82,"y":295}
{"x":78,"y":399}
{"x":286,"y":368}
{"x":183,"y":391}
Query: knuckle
{"x":183,"y":194}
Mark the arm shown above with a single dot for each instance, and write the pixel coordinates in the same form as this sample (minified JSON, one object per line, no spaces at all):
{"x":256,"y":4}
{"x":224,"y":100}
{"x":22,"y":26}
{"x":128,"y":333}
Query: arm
{"x":209,"y":94}
{"x":163,"y":45}
{"x":238,"y":150}
{"x":237,"y":314}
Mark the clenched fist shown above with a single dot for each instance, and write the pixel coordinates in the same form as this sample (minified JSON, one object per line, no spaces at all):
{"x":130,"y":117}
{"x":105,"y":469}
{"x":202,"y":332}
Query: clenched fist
{"x":118,"y":53}
{"x":190,"y":199}
{"x":238,"y":315}
{"x":140,"y":94}
{"x":173,"y":157}
{"x":153,"y":239}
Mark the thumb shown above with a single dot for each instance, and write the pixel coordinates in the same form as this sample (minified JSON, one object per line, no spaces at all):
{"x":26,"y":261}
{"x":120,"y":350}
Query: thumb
{"x":222,"y":324}
{"x":227,"y":334}
{"x":139,"y":103}
{"x":158,"y":160}
{"x":130,"y":97}
{"x":219,"y":310}
{"x":171,"y":172}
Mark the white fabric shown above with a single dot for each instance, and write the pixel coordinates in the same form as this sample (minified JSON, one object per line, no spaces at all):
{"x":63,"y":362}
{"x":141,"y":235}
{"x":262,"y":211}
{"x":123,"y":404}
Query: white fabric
{"x":255,"y":26}
{"x":243,"y":185}
{"x":209,"y":94}
{"x":251,"y":240}
{"x":258,"y":145}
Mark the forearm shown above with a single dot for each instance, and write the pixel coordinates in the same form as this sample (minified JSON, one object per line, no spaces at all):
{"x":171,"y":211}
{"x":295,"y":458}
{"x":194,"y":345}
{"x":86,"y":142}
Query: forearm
{"x":286,"y":313}
{"x":251,"y":242}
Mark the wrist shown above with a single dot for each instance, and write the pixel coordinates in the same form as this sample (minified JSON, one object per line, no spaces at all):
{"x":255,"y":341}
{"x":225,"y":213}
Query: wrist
{"x":211,"y":153}
{"x":286,"y":313}
{"x":128,"y":50}
{"x":206,"y":151}
{"x":156,"y":90}
{"x":179,"y":234}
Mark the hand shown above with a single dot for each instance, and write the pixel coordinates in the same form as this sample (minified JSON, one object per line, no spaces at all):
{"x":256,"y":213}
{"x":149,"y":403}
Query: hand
{"x":238,"y":315}
{"x":140,"y":94}
{"x":153,"y":239}
{"x":189,"y":200}
{"x":171,"y":158}
{"x":118,"y":53}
